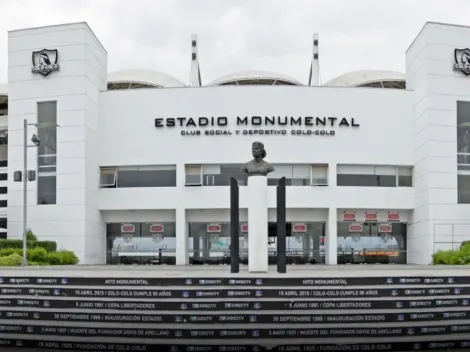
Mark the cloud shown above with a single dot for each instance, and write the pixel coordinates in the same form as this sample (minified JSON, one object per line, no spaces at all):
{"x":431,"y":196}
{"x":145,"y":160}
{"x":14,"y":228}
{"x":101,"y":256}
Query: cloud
{"x":242,"y":34}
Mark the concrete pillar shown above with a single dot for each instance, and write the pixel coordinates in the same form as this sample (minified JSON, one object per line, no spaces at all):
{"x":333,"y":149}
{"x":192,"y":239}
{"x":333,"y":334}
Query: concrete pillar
{"x":182,"y":235}
{"x":331,"y":243}
{"x":258,"y":224}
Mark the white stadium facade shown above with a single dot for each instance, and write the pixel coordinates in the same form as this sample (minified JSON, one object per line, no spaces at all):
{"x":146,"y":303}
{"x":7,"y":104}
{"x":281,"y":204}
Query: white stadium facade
{"x":133,"y":167}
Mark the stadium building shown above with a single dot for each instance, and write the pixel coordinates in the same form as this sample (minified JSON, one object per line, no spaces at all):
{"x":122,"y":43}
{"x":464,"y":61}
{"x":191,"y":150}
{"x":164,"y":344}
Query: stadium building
{"x":133,"y":167}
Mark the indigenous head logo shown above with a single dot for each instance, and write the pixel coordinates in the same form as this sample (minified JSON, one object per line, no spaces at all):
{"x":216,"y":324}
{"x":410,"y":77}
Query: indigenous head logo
{"x":45,"y":61}
{"x":462,"y":60}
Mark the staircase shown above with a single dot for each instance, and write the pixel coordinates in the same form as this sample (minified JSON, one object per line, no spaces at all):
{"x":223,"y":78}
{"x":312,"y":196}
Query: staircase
{"x":235,"y":314}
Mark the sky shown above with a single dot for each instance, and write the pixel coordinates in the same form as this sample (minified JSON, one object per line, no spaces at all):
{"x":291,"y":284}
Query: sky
{"x":238,"y":35}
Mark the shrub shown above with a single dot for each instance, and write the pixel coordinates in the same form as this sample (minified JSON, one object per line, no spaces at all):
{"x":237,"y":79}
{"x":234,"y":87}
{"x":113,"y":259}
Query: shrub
{"x":37,"y":254}
{"x":54,"y":258}
{"x":49,"y":246}
{"x":30,"y":236}
{"x":11,"y":260}
{"x":67,"y":257}
{"x":459,"y":256}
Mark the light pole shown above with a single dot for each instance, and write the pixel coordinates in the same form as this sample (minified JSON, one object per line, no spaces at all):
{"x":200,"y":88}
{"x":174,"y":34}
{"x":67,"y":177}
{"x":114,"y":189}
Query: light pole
{"x":25,"y":178}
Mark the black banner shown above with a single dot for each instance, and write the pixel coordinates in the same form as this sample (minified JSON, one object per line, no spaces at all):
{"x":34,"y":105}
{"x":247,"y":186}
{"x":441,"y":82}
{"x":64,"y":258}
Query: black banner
{"x":238,"y":293}
{"x":235,"y":306}
{"x":91,"y":346}
{"x":291,"y":282}
{"x":203,"y":333}
{"x":218,"y":318}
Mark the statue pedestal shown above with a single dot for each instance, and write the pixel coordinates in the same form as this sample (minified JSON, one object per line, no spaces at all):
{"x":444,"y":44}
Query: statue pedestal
{"x":258,"y":224}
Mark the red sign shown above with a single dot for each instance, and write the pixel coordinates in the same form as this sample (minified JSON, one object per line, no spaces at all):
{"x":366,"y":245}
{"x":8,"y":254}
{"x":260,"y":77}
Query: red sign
{"x":370,"y":216}
{"x":385,"y":228}
{"x":322,"y":240}
{"x":393,"y":216}
{"x":214,"y":228}
{"x":299,"y":227}
{"x":244,"y":227}
{"x":127,"y":228}
{"x":355,"y":228}
{"x":157,"y":228}
{"x":349,"y":216}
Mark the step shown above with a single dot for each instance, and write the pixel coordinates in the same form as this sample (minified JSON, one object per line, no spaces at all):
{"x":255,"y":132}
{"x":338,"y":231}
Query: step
{"x":393,"y":313}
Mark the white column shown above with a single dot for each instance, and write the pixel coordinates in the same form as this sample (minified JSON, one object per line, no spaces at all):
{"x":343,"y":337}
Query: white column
{"x":331,"y":245}
{"x":258,"y":224}
{"x":182,"y":254}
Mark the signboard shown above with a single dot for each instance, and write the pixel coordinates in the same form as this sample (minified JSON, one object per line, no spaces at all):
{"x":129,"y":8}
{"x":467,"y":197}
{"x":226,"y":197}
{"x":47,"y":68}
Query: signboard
{"x":370,"y":216}
{"x":244,"y":227}
{"x":349,"y":216}
{"x":214,"y":228}
{"x":385,"y":228}
{"x":127,"y":228}
{"x":356,"y":227}
{"x":254,"y":125}
{"x":299,"y":227}
{"x":393,"y":216}
{"x":157,"y":228}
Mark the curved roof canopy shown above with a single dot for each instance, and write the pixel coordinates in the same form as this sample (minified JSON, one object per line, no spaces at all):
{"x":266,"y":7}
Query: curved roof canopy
{"x":134,"y":79}
{"x":255,"y":78}
{"x":370,"y":78}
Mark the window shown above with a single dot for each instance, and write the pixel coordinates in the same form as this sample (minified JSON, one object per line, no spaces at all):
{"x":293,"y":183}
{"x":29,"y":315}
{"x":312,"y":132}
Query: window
{"x":47,"y":186}
{"x":193,"y":175}
{"x":374,"y":176}
{"x":3,"y":190}
{"x":3,"y":203}
{"x":146,"y":176}
{"x":3,"y":177}
{"x":47,"y":152}
{"x":299,"y":175}
{"x":463,"y":135}
{"x":138,"y":176}
{"x":463,"y":152}
{"x":220,"y":175}
{"x":108,"y":178}
{"x":319,"y":175}
{"x":405,"y":177}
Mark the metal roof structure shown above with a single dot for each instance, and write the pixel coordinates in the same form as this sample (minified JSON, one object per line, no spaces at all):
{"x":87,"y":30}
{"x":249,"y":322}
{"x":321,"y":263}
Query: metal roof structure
{"x":255,"y":77}
{"x":370,"y":78}
{"x":135,"y":79}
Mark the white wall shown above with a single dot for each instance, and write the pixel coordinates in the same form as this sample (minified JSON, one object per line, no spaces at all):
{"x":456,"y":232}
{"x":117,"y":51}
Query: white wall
{"x":74,"y":222}
{"x":129,"y":137}
{"x":437,"y":87}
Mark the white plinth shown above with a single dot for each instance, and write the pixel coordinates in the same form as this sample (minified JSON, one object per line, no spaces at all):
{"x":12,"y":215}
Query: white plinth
{"x":258,"y":224}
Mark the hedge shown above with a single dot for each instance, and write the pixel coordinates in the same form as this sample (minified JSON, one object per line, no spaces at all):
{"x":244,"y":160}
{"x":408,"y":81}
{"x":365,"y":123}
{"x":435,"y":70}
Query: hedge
{"x":36,"y":256}
{"x":49,"y":246}
{"x":37,"y":252}
{"x":459,"y":256}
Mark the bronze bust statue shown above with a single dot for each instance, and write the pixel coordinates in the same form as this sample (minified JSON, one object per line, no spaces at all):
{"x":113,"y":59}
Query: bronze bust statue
{"x":257,"y":166}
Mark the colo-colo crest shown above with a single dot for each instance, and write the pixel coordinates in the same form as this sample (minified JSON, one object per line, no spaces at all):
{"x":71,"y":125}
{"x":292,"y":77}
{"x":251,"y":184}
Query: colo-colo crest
{"x":45,"y":61}
{"x":462,"y":60}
